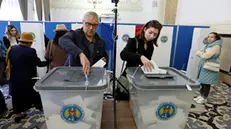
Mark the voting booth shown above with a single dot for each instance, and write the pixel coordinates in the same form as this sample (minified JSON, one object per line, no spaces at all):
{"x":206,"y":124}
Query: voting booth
{"x":160,"y":102}
{"x":68,"y":101}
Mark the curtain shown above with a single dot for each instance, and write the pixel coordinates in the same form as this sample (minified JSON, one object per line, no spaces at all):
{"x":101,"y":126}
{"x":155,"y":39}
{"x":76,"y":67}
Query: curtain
{"x":24,"y":8}
{"x":46,"y":6}
{"x":39,"y":10}
{"x":0,"y":3}
{"x":10,"y":10}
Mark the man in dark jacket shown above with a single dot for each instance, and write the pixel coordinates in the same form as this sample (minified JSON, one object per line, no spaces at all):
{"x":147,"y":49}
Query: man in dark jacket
{"x":84,"y":45}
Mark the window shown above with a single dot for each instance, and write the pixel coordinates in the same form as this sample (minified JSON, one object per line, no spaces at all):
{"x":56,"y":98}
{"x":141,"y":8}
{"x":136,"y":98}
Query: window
{"x":10,"y":10}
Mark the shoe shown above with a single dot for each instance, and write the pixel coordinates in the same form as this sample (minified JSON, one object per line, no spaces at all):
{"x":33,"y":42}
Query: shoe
{"x":17,"y":119}
{"x":198,"y":97}
{"x":201,"y":101}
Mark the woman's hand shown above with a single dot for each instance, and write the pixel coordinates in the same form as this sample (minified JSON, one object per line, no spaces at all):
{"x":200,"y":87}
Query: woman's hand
{"x":148,"y":66}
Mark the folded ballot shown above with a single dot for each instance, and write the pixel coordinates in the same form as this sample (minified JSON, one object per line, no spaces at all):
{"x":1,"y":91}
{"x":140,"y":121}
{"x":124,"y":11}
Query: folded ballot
{"x":56,"y":122}
{"x":170,"y":98}
{"x":51,"y":108}
{"x":94,"y":101}
{"x":77,"y":100}
{"x":148,"y":114}
{"x":155,"y":70}
{"x":99,"y":63}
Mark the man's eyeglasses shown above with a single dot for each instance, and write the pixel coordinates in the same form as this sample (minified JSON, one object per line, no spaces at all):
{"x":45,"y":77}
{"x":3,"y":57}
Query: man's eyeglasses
{"x":88,"y":24}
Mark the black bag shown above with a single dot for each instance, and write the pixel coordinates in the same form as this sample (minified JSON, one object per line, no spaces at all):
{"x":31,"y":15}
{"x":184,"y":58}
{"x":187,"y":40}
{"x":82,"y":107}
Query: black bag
{"x":122,"y":87}
{"x":3,"y":107}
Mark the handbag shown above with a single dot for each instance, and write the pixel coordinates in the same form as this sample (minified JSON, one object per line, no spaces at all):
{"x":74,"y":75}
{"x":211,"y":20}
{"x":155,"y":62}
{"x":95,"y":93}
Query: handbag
{"x":215,"y":67}
{"x":122,"y":87}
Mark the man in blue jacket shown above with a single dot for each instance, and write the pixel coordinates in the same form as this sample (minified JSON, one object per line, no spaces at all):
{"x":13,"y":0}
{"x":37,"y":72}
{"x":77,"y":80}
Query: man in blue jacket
{"x":84,"y":45}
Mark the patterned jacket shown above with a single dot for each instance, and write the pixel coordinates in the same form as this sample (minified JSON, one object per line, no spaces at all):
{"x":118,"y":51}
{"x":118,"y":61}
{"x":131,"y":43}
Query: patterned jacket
{"x":210,"y":53}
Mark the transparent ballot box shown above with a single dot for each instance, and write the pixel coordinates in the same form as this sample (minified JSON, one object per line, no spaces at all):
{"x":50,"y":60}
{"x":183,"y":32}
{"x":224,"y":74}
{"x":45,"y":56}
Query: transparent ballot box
{"x":160,"y":102}
{"x":68,"y":101}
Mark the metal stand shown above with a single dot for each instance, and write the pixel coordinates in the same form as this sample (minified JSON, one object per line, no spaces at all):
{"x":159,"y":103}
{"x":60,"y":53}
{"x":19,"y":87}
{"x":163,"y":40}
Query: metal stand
{"x":114,"y":67}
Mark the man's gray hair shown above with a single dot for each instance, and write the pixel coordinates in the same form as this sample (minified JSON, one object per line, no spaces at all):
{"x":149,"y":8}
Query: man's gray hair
{"x":91,"y":13}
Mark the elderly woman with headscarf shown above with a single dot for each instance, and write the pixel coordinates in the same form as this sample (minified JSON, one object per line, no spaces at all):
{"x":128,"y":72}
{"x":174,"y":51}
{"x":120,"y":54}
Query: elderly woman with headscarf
{"x":22,"y":62}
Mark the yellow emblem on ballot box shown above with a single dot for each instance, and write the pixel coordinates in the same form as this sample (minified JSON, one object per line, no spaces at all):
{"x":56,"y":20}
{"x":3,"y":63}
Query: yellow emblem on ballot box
{"x":72,"y":113}
{"x":166,"y":111}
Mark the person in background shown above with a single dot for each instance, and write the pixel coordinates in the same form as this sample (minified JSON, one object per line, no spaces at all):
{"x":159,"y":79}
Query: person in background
{"x":139,"y":49}
{"x":11,"y":36}
{"x":208,"y":67}
{"x":46,"y":40}
{"x":3,"y":50}
{"x":22,"y":62}
{"x":54,"y":54}
{"x":84,"y":45}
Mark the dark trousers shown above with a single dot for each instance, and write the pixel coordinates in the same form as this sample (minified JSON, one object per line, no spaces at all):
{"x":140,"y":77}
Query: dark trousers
{"x":2,"y":103}
{"x":2,"y":72}
{"x":205,"y":89}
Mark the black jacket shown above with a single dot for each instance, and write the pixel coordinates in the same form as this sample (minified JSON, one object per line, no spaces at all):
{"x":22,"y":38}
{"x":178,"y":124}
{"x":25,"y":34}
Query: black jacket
{"x":7,"y":42}
{"x":73,"y":42}
{"x":132,"y":54}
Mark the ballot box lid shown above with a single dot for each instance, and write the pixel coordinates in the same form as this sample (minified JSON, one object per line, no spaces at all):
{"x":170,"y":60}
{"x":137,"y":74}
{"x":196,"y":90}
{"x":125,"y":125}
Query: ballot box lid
{"x":73,"y":78}
{"x":178,"y":81}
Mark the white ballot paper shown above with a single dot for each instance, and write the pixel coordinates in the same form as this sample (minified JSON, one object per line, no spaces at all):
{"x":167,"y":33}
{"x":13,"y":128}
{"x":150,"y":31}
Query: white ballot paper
{"x":56,"y":122}
{"x":170,"y":98}
{"x":155,"y":70}
{"x":53,"y":108}
{"x":148,"y":114}
{"x":99,"y":63}
{"x":78,"y":100}
{"x":93,"y":101}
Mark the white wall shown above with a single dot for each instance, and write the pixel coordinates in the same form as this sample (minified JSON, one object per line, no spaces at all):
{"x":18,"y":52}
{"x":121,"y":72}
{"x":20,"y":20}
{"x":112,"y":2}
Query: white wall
{"x":203,"y":11}
{"x":135,"y":11}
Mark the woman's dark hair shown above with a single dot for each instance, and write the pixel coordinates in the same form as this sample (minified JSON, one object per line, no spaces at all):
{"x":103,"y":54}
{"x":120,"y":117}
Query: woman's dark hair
{"x":59,"y":34}
{"x":217,"y":36}
{"x":155,"y":24}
